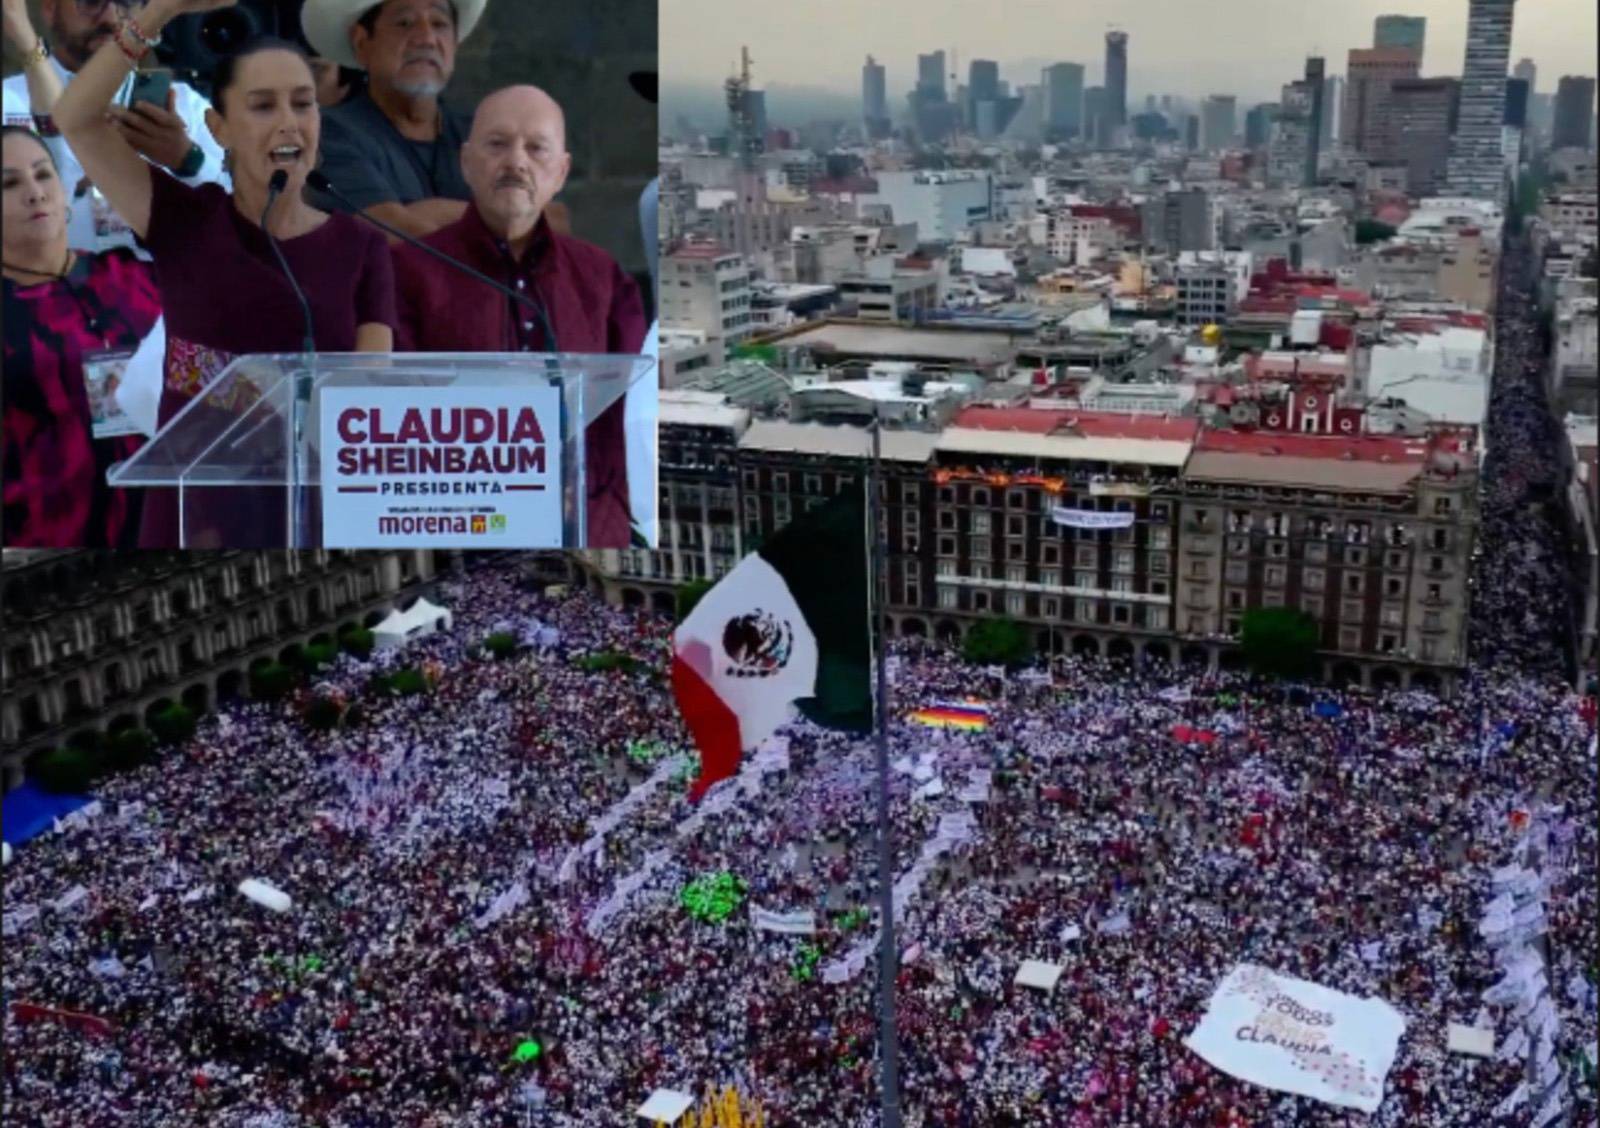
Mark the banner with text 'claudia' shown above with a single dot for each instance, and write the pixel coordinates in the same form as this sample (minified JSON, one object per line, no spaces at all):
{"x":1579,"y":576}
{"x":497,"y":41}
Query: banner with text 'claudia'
{"x":1297,"y":1037}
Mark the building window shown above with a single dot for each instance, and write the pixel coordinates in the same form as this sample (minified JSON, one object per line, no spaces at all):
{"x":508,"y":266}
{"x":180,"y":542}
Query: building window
{"x":1277,"y":549}
{"x":1349,"y":638}
{"x":1086,"y":611}
{"x":980,"y":601}
{"x":980,"y":495}
{"x":1311,"y":605}
{"x":1395,"y":560}
{"x":1232,"y":627}
{"x":1275,"y":575}
{"x":1085,"y":580}
{"x":1435,"y":593}
{"x":1016,"y":550}
{"x":1238,"y":546}
{"x":1312,"y":579}
{"x":1235,"y":599}
{"x":752,"y":480}
{"x":1355,"y":557}
{"x":1050,"y":577}
{"x":981,"y":570}
{"x":912,"y":519}
{"x":1016,"y":573}
{"x":1050,"y":553}
{"x":1388,"y":643}
{"x":780,"y":511}
{"x":979,"y":547}
{"x":1440,"y":539}
{"x":944,"y":567}
{"x":947,"y":519}
{"x":1088,"y":556}
{"x":1316,"y":552}
{"x":1430,"y":650}
{"x":947,"y":495}
{"x":1272,"y":599}
{"x":947,"y":597}
{"x":1393,"y":586}
{"x":1435,"y":563}
{"x":1015,"y":526}
{"x":910,"y":493}
{"x":1016,"y":603}
{"x":1236,"y":571}
{"x":1159,"y":563}
{"x":1122,"y":584}
{"x":812,"y":483}
{"x":1351,"y":611}
{"x":1198,"y":569}
{"x":1158,"y":587}
{"x":1197,"y":624}
{"x":980,"y":522}
{"x":1121,"y":613}
{"x":1353,"y":583}
{"x":1391,"y":615}
{"x":947,"y":546}
{"x":1161,"y":537}
{"x":780,"y":481}
{"x":1441,"y":505}
{"x":1122,"y":560}
{"x":1049,"y":608}
{"x":1016,"y":499}
{"x":1159,"y":511}
{"x":1156,"y":618}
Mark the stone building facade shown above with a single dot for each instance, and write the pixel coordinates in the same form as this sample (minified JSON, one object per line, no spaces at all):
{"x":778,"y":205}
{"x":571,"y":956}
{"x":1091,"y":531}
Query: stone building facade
{"x":99,"y":640}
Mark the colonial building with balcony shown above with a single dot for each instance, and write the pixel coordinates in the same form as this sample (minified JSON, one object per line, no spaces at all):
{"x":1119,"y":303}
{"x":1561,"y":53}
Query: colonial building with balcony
{"x":1061,"y":519}
{"x":99,"y":640}
{"x":1370,"y":536}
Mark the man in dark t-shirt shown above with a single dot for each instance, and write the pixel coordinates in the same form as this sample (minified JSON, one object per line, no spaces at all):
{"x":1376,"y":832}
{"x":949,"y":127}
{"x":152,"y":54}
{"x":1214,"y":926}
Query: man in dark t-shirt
{"x":395,"y":148}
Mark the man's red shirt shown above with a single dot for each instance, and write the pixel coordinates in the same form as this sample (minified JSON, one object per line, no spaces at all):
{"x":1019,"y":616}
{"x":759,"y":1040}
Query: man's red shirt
{"x":592,"y":305}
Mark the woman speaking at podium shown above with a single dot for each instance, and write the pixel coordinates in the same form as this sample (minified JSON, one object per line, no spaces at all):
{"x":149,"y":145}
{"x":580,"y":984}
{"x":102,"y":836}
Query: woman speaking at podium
{"x":223,"y":288}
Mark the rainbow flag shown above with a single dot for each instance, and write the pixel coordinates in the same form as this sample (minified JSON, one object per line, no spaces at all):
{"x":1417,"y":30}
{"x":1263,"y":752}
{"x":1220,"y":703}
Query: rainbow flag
{"x":970,"y":715}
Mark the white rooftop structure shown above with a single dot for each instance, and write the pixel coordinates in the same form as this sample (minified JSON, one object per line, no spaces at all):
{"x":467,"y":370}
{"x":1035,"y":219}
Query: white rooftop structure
{"x":1144,"y":452}
{"x":1445,"y":374}
{"x":845,"y":441}
{"x":988,"y":262}
{"x":665,"y":1106}
{"x":691,"y":407}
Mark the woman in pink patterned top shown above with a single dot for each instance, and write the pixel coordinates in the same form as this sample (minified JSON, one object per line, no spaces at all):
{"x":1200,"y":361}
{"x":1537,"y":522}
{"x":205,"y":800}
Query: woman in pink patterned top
{"x":222,"y":288}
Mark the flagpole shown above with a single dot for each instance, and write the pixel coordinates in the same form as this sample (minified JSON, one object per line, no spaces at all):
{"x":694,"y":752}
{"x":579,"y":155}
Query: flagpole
{"x":888,"y":953}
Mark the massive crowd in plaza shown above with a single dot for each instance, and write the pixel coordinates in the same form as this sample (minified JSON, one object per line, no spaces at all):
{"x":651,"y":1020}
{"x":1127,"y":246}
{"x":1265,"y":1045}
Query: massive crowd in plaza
{"x":486,"y":865}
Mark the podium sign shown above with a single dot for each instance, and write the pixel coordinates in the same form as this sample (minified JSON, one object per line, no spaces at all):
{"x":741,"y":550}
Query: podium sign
{"x":443,"y":467}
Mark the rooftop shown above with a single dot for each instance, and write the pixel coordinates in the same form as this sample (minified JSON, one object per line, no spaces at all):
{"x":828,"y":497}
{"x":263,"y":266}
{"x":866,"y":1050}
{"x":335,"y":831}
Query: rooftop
{"x":1067,"y":423}
{"x":831,"y":439}
{"x":858,"y":338}
{"x":688,"y":407}
{"x":1365,"y":464}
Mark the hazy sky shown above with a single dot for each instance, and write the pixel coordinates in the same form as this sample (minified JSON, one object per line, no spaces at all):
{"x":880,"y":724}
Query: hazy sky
{"x":1190,"y":47}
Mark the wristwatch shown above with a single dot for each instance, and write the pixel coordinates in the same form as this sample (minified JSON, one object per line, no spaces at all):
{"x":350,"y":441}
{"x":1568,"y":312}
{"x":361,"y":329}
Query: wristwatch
{"x":40,"y":52}
{"x":193,"y":161}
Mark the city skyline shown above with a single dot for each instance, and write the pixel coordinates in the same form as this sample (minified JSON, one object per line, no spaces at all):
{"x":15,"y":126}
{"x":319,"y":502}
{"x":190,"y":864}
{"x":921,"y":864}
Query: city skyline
{"x":700,"y":42}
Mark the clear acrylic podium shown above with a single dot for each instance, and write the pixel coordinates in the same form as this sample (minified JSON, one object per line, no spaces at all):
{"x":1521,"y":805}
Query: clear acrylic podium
{"x":244,"y":457}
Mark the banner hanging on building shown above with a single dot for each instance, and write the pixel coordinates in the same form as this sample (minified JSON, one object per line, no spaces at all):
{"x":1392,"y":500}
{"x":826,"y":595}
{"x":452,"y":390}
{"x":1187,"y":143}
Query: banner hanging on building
{"x":1297,"y":1037}
{"x":1091,"y":518}
{"x":452,"y":467}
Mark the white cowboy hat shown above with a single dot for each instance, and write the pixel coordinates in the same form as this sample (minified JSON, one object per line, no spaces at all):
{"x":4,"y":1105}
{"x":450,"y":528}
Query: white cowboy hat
{"x":327,"y":23}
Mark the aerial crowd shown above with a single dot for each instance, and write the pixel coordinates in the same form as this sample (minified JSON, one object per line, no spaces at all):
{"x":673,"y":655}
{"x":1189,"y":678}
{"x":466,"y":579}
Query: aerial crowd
{"x":501,"y":861}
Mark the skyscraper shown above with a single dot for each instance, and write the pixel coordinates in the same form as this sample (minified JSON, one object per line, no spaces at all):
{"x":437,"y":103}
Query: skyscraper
{"x":930,"y":73}
{"x":1527,"y":71}
{"x":1422,"y":115}
{"x":1258,"y":124}
{"x":1574,"y":113}
{"x":1406,"y":32}
{"x":874,"y":98}
{"x":1117,"y":79}
{"x":1517,"y":103}
{"x":1332,"y":108}
{"x":983,"y":85}
{"x":1291,"y":135}
{"x":1218,"y":121}
{"x":1370,"y":72}
{"x":1314,"y":93}
{"x":1096,"y":117}
{"x":1477,"y":160}
{"x":1063,"y":100}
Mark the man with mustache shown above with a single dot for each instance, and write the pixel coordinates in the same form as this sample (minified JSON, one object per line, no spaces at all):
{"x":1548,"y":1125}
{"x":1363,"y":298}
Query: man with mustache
{"x":515,"y":160}
{"x":394,"y":148}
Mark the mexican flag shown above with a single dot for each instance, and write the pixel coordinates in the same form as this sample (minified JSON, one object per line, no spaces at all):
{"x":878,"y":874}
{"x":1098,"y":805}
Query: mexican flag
{"x":788,"y":625}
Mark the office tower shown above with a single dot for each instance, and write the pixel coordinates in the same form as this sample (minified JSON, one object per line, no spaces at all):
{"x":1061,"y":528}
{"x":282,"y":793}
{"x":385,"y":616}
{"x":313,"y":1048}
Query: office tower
{"x":1063,"y":100}
{"x":1422,"y":115}
{"x":1477,"y":161}
{"x":1527,"y":71}
{"x":1369,"y":73}
{"x":1096,"y":124}
{"x":1191,"y":132}
{"x":755,"y":102}
{"x":1517,"y":103}
{"x":930,"y":73}
{"x":1332,"y":109}
{"x":1117,"y":78}
{"x":1258,"y":124}
{"x":1574,"y":113}
{"x":1218,"y":121}
{"x":1406,"y":32}
{"x":874,"y":98}
{"x":983,"y":85}
{"x":1291,"y":135}
{"x":1314,"y":92}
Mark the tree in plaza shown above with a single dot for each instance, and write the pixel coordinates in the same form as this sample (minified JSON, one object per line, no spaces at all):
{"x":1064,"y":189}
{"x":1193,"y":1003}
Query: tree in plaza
{"x":271,"y":681}
{"x":65,"y":771}
{"x":1279,"y":641}
{"x":501,"y":644}
{"x":173,"y":724}
{"x":1372,"y":231}
{"x":992,"y":642}
{"x":357,"y":641}
{"x":131,"y":748}
{"x":690,"y":594}
{"x":323,"y":713}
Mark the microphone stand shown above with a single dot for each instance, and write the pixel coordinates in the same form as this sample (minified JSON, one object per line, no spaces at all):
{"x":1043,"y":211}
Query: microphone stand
{"x":304,"y":383}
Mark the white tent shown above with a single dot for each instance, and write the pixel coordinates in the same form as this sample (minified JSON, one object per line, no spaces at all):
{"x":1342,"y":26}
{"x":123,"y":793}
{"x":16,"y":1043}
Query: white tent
{"x":1039,"y":974}
{"x":267,"y":896}
{"x":665,"y":1105}
{"x":422,"y":618}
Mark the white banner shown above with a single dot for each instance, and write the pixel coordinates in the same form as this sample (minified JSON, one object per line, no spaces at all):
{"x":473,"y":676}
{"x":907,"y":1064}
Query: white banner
{"x":441,"y":467}
{"x":1298,"y":1037}
{"x":790,"y":924}
{"x":1090,"y":519}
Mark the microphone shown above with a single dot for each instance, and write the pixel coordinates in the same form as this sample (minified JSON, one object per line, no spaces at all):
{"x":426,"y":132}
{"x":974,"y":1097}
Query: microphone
{"x":322,"y":184}
{"x":275,"y":187}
